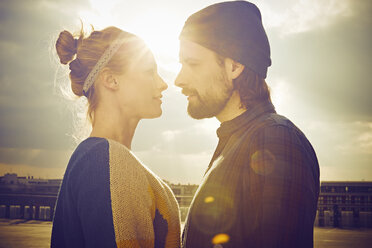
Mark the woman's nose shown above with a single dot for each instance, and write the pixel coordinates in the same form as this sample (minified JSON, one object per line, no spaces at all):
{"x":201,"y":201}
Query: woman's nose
{"x":162,"y":85}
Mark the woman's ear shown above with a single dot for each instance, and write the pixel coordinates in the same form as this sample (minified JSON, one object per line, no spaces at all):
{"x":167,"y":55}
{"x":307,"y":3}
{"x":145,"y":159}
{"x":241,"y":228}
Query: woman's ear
{"x":234,"y":68}
{"x":109,"y":80}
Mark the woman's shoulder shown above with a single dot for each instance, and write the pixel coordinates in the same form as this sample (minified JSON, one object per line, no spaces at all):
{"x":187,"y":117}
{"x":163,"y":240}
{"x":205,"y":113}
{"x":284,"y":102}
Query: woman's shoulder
{"x":95,"y":151}
{"x":92,"y":144}
{"x":118,"y":149}
{"x":90,"y":153}
{"x":121,"y":158}
{"x":90,"y":147}
{"x":125,"y":164}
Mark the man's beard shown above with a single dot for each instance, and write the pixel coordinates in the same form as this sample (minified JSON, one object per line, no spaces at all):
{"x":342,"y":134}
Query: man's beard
{"x":213,"y":102}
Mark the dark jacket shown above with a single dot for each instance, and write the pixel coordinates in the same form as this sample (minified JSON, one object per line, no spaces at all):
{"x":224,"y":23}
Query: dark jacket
{"x":261,"y":187}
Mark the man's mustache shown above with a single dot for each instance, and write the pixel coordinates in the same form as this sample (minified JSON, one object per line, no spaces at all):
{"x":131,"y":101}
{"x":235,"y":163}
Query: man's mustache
{"x":188,"y":91}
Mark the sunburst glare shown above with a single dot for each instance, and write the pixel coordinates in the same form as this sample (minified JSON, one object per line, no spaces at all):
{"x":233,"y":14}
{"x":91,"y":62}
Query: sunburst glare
{"x":152,"y":23}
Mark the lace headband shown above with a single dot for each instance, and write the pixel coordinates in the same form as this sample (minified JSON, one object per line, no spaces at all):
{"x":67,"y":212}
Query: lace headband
{"x":102,"y":62}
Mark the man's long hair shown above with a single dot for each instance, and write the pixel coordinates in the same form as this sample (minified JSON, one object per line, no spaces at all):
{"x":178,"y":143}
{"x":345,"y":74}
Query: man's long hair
{"x":252,"y":88}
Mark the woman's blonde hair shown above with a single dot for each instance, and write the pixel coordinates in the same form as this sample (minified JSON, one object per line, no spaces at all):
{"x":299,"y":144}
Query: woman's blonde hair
{"x":83,"y":53}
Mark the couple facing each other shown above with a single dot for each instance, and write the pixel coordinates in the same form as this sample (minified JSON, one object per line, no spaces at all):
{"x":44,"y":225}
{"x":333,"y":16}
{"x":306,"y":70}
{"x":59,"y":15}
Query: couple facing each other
{"x":262,"y":183}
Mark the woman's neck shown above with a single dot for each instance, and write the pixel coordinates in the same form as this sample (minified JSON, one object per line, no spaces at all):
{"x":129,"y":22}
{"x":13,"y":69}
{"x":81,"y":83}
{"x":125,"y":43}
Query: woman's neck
{"x":114,"y":126}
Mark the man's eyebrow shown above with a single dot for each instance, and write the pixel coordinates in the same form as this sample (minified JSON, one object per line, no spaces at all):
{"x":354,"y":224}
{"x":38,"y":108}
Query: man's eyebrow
{"x":189,"y":60}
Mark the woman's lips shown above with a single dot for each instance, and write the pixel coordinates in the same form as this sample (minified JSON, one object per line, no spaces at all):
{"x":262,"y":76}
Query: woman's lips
{"x":158,"y":98}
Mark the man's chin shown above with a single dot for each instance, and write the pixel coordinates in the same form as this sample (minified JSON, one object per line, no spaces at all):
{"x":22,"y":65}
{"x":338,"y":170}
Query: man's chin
{"x":197,"y":113}
{"x":196,"y":117}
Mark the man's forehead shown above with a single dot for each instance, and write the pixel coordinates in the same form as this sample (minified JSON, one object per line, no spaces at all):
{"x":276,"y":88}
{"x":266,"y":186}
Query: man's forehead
{"x":192,"y":50}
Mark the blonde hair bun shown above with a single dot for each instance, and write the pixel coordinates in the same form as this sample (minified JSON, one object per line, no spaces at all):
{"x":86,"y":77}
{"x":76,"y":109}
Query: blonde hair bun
{"x":66,"y":47}
{"x":82,"y":54}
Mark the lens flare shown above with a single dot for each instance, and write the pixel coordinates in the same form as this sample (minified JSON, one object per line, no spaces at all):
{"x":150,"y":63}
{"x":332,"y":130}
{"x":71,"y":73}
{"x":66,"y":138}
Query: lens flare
{"x":262,"y":162}
{"x":220,"y":238}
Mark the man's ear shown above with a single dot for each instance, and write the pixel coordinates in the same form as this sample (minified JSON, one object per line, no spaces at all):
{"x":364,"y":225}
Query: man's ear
{"x":237,"y":69}
{"x":109,"y":80}
{"x":234,"y":68}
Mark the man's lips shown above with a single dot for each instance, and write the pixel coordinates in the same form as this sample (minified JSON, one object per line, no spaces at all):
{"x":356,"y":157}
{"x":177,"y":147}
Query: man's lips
{"x":190,"y":97}
{"x":189,"y":93}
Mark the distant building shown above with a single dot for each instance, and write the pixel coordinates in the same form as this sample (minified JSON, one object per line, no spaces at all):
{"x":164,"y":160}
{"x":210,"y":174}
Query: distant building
{"x":184,"y":194}
{"x":345,"y":204}
{"x":10,"y":182}
{"x":340,"y":204}
{"x":9,"y":179}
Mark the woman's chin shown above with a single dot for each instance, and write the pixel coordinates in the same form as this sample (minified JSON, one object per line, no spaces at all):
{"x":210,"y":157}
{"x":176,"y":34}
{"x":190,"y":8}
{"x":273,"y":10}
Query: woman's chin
{"x":155,"y":114}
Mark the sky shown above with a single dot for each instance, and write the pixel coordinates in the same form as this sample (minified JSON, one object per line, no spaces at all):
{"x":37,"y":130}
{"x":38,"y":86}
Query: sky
{"x":319,"y":79}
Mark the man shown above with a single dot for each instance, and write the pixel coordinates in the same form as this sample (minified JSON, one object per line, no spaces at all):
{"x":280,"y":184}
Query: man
{"x":262,"y":184}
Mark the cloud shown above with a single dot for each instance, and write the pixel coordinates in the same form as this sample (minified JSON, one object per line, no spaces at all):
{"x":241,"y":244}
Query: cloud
{"x":360,"y":140}
{"x":294,"y":16}
{"x":198,"y":138}
{"x":31,"y":112}
{"x":28,"y":170}
{"x":41,"y":158}
{"x":327,"y":69}
{"x":182,"y":168}
{"x":343,"y":148}
{"x":175,"y":131}
{"x":319,"y":79}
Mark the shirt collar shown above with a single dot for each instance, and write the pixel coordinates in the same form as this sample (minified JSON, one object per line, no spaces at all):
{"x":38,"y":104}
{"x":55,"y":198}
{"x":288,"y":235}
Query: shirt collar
{"x":227,"y":128}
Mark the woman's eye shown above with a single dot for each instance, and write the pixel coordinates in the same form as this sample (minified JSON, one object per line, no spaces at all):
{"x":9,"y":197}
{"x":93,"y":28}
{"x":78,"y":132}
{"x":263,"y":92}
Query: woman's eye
{"x":150,"y":71}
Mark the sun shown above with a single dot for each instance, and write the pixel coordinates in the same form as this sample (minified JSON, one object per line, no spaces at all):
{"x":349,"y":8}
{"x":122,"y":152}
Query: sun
{"x":159,"y":34}
{"x":157,"y":26}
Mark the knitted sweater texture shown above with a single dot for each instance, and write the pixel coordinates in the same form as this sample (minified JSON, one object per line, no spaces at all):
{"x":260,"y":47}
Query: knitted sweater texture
{"x":108,"y":198}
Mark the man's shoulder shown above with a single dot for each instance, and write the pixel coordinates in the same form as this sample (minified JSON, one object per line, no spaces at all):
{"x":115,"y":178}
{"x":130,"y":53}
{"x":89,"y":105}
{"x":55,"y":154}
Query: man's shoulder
{"x":274,"y":119}
{"x":269,"y":121}
{"x":270,"y":126}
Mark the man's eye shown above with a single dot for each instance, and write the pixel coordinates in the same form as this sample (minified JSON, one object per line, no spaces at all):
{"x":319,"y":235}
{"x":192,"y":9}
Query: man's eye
{"x":192,"y":64}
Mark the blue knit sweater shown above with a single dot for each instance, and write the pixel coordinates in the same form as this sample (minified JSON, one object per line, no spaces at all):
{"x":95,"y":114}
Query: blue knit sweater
{"x":109,"y":199}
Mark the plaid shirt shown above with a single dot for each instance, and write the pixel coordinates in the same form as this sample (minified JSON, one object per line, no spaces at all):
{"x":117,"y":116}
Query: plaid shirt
{"x":261,"y":186}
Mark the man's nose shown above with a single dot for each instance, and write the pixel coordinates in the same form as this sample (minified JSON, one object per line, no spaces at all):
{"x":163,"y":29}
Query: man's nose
{"x":180,"y":82}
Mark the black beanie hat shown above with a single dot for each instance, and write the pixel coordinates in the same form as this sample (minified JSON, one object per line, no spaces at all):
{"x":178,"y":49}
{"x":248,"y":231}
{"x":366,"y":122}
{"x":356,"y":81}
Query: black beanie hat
{"x":233,"y":30}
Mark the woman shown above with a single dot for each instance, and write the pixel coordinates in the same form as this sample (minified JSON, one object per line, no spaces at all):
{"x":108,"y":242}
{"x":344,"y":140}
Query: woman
{"x":107,"y":197}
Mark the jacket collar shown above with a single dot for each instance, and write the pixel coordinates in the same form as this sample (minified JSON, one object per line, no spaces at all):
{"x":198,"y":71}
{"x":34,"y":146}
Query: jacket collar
{"x":227,"y":128}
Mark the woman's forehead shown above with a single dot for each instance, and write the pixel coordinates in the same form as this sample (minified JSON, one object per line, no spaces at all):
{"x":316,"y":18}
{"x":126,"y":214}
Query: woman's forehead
{"x":144,"y":58}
